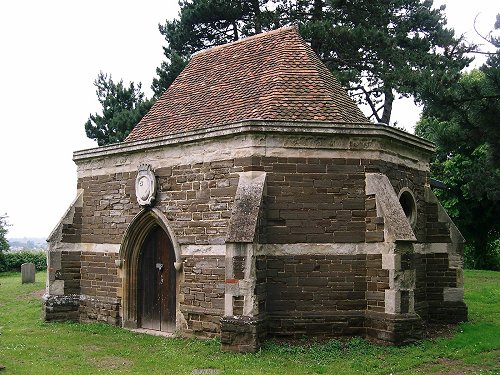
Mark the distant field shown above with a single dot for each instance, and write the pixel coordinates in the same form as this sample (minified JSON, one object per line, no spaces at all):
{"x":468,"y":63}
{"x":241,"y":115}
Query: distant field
{"x":30,"y":346}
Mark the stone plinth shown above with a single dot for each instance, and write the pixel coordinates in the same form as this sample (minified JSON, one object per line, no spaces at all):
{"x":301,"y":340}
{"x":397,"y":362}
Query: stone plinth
{"x":241,"y":334}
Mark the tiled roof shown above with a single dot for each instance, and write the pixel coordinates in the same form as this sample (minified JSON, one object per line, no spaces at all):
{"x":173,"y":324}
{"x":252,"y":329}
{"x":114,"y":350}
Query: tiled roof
{"x":270,"y":76}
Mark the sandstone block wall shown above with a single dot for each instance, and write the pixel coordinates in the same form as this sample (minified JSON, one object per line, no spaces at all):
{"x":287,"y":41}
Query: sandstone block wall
{"x":321,"y":296}
{"x":435,"y":231}
{"x":307,"y":200}
{"x":70,"y":271}
{"x":196,"y":198}
{"x":202,"y":295}
{"x":64,"y":302}
{"x":99,"y":287}
{"x":434,"y":277}
{"x":72,"y":232}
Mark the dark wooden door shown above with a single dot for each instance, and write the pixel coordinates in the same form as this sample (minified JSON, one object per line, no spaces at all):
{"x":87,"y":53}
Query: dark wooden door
{"x":156,"y":291}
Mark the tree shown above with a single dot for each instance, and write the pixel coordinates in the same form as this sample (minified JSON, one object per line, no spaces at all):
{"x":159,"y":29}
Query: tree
{"x":168,"y":71}
{"x":4,"y":243}
{"x":378,"y":50}
{"x":207,"y":23}
{"x":122,"y":108}
{"x":383,"y":49}
{"x":462,"y":120}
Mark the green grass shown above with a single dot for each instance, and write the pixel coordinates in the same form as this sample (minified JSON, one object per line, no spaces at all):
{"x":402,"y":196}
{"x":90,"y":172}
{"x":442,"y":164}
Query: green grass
{"x":30,"y":346}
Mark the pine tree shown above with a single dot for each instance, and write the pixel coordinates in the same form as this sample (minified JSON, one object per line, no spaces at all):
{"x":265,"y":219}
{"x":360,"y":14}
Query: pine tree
{"x":379,"y":50}
{"x":122,"y":109}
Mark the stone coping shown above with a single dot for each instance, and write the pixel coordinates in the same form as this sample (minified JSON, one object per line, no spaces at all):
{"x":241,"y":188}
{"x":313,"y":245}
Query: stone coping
{"x":259,"y":126}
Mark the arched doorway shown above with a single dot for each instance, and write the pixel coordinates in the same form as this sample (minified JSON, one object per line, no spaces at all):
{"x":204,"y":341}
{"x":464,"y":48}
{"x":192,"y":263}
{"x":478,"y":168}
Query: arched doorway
{"x":148,"y":237}
{"x":156,"y":282}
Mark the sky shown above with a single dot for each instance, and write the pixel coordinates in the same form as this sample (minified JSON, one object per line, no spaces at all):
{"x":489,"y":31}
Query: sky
{"x":51,"y":52}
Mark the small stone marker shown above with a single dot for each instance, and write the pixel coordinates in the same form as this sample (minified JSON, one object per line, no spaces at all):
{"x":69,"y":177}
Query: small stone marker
{"x":27,"y":273}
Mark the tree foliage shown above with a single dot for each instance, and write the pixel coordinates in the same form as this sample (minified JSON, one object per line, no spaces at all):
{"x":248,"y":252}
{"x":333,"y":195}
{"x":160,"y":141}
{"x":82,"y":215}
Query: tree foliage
{"x":4,"y":243}
{"x":207,"y":23}
{"x":378,"y":49}
{"x":168,"y":71}
{"x":122,"y":108}
{"x":462,"y":120}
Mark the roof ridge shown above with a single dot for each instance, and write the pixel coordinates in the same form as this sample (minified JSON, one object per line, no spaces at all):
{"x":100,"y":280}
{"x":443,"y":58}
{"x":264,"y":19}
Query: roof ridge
{"x":269,"y":76}
{"x":247,"y":38}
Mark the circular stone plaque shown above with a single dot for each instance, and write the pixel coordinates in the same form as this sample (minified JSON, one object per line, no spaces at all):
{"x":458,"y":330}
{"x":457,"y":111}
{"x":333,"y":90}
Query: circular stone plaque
{"x":145,"y":185}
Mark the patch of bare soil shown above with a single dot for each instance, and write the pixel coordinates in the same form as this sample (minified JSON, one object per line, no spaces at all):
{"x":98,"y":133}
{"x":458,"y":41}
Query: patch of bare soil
{"x":111,"y":363}
{"x":434,"y":331}
{"x":454,"y":367}
{"x":92,"y":348}
{"x":38,"y":294}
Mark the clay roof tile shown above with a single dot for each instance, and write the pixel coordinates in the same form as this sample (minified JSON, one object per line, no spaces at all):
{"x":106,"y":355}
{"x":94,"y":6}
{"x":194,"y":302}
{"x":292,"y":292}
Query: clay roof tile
{"x":269,"y":76}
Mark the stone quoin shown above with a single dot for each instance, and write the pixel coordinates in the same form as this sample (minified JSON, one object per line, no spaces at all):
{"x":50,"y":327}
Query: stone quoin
{"x":255,"y":201}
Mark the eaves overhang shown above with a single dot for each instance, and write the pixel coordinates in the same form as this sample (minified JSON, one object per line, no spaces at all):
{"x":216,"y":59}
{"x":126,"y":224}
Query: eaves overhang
{"x":312,"y":128}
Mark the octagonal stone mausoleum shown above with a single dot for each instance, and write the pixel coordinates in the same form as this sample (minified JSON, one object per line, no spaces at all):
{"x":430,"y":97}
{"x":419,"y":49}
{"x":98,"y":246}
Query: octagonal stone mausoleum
{"x":255,"y":201}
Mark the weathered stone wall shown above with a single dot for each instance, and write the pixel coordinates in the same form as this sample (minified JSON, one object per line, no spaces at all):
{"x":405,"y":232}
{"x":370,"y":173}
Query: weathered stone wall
{"x":108,"y":207}
{"x":435,"y":280}
{"x":242,"y":334}
{"x":99,"y":288}
{"x":397,"y":329}
{"x":324,"y":200}
{"x":64,"y":276}
{"x":377,"y":281}
{"x":70,"y":271}
{"x":197,"y":199}
{"x":72,"y":232}
{"x":307,"y":200}
{"x":435,"y":231}
{"x":322,"y":296}
{"x":202,"y":295}
{"x":420,"y":292}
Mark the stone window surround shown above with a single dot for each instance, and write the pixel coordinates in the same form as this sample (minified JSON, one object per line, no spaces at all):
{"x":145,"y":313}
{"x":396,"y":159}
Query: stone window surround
{"x":408,"y":202}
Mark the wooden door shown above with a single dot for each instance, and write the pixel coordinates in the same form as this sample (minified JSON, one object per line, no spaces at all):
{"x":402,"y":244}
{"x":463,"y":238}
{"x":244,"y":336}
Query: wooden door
{"x":156,"y":289}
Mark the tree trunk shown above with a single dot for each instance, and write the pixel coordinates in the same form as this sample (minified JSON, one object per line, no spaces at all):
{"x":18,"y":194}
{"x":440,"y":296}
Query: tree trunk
{"x":389,"y":99}
{"x":256,"y":12}
{"x":235,"y":30}
{"x":482,"y":260}
{"x":317,"y":15}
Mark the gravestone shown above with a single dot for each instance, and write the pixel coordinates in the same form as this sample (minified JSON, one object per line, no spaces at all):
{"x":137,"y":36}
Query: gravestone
{"x":27,"y":273}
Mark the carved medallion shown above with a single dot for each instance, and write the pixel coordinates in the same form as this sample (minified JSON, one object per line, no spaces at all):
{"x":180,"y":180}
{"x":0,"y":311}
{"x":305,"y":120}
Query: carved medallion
{"x":145,"y":185}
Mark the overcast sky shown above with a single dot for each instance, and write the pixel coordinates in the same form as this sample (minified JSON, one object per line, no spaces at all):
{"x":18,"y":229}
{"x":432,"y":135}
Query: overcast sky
{"x":50,"y":53}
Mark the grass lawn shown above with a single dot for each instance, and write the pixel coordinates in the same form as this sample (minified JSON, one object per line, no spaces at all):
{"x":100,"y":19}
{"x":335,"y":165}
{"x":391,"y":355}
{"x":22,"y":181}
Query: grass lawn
{"x":30,"y":346}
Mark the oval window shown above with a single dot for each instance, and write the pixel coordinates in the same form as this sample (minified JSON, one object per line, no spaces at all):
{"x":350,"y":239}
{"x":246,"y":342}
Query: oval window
{"x":409,"y":206}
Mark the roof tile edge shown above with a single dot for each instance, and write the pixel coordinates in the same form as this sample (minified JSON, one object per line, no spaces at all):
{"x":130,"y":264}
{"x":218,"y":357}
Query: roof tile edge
{"x":247,"y":39}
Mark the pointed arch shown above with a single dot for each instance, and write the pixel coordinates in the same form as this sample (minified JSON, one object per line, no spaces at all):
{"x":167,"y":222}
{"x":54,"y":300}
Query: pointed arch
{"x":130,"y":249}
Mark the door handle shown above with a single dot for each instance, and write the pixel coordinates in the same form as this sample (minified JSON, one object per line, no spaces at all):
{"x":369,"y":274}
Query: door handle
{"x":159,"y":266}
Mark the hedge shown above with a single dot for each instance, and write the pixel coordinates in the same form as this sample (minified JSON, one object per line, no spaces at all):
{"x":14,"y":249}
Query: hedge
{"x":12,"y":261}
